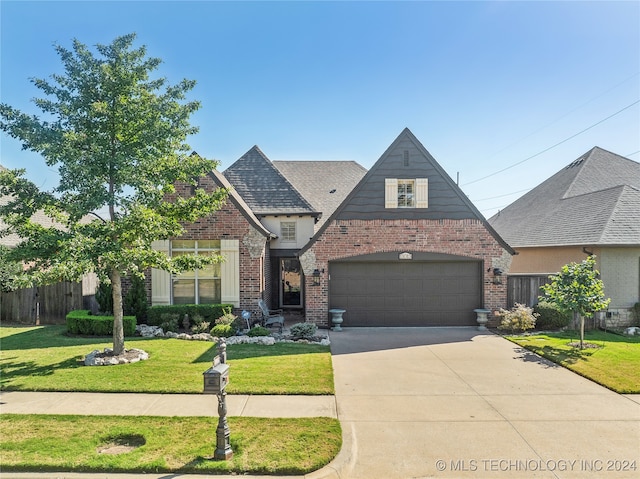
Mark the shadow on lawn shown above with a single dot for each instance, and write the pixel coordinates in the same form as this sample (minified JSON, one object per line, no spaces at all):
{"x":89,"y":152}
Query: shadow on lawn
{"x":54,"y":337}
{"x":246,"y":351}
{"x":550,"y":356}
{"x":12,"y":370}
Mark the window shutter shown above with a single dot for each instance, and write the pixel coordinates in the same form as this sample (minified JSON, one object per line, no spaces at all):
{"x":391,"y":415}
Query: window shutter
{"x":230,"y":272}
{"x":160,"y":280}
{"x":390,"y":193}
{"x":422,"y":192}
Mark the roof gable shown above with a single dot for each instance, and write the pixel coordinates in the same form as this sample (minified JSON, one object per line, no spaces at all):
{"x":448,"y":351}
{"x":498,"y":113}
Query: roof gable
{"x":407,"y":158}
{"x":265,"y":190}
{"x":595,"y":200}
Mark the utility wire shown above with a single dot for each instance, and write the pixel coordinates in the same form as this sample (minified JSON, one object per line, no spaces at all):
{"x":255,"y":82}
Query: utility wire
{"x":502,"y":196}
{"x":564,"y":116}
{"x":634,"y":153}
{"x":553,"y":146}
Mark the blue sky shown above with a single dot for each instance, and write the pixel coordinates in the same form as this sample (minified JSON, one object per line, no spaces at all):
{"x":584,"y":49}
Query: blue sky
{"x":483,"y":85}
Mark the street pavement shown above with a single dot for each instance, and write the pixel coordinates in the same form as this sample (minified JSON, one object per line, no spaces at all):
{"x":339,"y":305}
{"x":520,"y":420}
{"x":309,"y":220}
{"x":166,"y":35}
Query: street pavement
{"x":423,"y":403}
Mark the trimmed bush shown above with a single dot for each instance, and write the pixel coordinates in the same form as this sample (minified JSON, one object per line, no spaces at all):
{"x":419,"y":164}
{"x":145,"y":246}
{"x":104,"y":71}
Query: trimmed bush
{"x":550,"y":316}
{"x":223,"y":330}
{"x":303,"y":330}
{"x":208,"y":312}
{"x":258,"y":331}
{"x":83,"y":322}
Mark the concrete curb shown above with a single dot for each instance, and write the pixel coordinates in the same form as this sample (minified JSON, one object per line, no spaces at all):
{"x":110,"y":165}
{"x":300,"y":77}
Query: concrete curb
{"x":343,"y":463}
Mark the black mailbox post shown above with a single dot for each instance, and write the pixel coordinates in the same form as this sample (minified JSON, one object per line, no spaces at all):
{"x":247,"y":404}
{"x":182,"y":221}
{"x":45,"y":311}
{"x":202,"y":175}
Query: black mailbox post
{"x":216,"y":379}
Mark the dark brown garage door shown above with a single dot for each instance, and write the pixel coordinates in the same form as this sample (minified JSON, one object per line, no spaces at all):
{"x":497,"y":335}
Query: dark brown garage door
{"x":398,"y":293}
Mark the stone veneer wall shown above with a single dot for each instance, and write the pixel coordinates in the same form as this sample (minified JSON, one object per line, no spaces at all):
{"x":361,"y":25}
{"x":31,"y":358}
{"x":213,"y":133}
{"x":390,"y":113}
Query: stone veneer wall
{"x":346,"y":238}
{"x":229,"y":223}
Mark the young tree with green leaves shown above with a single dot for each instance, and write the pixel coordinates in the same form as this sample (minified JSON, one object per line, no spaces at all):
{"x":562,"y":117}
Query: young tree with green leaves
{"x":118,"y":139}
{"x":577,"y":288}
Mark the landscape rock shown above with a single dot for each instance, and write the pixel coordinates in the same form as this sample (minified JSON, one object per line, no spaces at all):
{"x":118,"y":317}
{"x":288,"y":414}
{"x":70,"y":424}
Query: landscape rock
{"x":107,"y":358}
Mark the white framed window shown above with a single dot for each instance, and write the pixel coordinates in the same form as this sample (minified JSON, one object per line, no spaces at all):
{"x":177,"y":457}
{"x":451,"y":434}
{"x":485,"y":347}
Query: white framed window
{"x":201,"y":286}
{"x":288,"y":230}
{"x":406,"y":193}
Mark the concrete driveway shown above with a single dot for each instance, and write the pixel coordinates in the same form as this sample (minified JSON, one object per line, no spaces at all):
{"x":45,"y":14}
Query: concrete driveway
{"x":456,"y":403}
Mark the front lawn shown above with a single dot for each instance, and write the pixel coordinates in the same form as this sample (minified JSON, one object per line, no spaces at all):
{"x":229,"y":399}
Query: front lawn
{"x":614,"y":363}
{"x":44,"y":358}
{"x":165,"y":445}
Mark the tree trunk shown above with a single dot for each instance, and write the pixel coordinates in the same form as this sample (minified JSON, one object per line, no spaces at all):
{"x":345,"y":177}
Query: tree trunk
{"x":118,"y":329}
{"x":576,"y":313}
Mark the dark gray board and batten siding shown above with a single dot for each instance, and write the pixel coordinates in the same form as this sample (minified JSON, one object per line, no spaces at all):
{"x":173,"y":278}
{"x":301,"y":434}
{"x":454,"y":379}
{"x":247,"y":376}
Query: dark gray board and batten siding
{"x":367,"y":200}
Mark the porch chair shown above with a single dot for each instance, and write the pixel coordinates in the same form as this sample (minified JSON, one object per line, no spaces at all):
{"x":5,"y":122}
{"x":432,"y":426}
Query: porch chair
{"x":271,"y":317}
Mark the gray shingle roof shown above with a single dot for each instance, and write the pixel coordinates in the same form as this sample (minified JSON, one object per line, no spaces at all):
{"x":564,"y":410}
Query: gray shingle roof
{"x":595,"y":200}
{"x":324,"y":184}
{"x":264,"y":188}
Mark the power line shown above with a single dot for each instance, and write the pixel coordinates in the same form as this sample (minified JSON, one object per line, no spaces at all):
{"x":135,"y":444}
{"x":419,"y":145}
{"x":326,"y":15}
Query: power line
{"x":564,"y":116}
{"x":502,"y":196}
{"x":634,"y":153}
{"x":553,"y":146}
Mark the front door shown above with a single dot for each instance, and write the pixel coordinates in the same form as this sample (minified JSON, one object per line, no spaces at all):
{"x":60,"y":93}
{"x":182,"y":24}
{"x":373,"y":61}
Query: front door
{"x":290,"y":283}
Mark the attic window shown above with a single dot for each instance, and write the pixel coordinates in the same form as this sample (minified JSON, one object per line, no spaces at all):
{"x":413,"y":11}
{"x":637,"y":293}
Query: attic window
{"x":406,"y":193}
{"x":288,"y":230}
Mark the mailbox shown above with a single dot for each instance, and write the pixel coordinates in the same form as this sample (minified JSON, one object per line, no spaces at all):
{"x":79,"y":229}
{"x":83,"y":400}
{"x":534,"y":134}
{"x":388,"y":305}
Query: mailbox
{"x":216,"y":379}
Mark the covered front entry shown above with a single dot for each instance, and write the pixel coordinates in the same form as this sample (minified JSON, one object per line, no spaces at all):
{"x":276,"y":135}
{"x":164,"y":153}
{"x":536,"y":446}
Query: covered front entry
{"x":415,"y":292}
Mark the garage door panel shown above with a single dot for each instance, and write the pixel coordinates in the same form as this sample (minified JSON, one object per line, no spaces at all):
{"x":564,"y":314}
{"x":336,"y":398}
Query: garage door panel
{"x":406,"y":293}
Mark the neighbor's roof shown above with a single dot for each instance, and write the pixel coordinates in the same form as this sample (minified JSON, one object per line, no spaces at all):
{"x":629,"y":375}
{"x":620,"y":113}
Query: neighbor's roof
{"x":264,"y":188}
{"x":595,"y":200}
{"x":324,"y":184}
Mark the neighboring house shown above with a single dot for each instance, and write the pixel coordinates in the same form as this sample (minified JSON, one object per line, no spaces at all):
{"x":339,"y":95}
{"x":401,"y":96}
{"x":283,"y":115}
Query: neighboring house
{"x":400,"y":245}
{"x":592,"y":206}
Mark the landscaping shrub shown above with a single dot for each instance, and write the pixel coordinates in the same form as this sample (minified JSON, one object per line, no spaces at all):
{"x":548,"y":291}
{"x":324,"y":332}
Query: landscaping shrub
{"x":303,"y":330}
{"x":223,"y":330}
{"x":550,"y":316}
{"x":259,"y":331}
{"x":169,"y":322}
{"x":231,"y":319}
{"x":83,"y":322}
{"x":104,"y":297}
{"x":135,"y":301}
{"x":200,"y":325}
{"x":518,"y":318}
{"x":209,"y":312}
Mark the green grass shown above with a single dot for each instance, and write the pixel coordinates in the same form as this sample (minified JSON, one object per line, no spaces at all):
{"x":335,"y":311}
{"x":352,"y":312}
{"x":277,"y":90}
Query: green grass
{"x":615,"y":363}
{"x":46,"y":359}
{"x":171,"y":445}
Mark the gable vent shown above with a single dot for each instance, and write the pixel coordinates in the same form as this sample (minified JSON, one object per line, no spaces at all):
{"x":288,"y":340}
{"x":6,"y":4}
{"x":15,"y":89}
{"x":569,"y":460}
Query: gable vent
{"x":406,"y":157}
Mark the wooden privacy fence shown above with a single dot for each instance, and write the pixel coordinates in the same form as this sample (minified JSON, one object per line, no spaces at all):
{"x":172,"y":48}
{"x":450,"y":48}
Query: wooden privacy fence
{"x":525,"y":289}
{"x":51,"y":303}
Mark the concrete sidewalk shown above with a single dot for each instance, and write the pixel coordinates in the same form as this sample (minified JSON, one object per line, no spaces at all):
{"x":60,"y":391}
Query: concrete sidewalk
{"x":129,"y":404}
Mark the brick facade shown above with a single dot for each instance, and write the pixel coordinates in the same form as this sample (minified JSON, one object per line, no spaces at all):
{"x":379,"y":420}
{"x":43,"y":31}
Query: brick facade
{"x":229,"y":223}
{"x":347,"y":238}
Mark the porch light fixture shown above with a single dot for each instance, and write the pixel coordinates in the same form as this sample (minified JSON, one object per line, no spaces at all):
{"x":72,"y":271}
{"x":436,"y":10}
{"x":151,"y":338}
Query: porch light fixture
{"x":316,"y":277}
{"x":497,"y":276}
